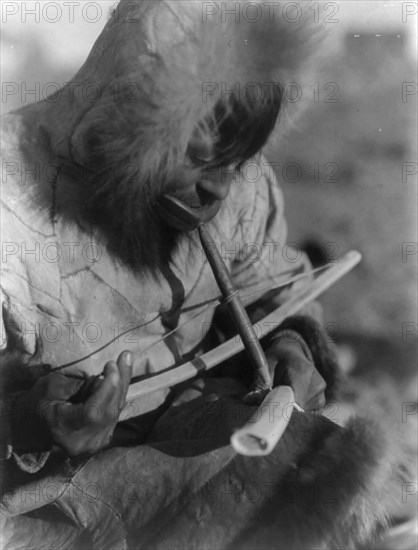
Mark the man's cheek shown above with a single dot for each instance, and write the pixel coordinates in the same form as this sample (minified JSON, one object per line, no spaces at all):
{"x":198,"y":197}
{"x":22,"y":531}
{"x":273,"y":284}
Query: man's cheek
{"x":182,"y":184}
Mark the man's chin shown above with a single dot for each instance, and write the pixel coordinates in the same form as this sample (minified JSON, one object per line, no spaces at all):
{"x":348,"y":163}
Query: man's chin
{"x":143,"y":244}
{"x":136,"y":233}
{"x":151,"y":254}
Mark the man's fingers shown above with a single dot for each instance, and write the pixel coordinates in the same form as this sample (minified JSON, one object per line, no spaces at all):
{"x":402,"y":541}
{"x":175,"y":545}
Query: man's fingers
{"x":316,"y":403}
{"x":114,"y":386}
{"x":109,"y":390}
{"x":58,"y":386}
{"x":281,"y":375}
{"x":66,"y":417}
{"x":125,"y":362}
{"x":298,"y":372}
{"x":315,"y":397}
{"x":318,"y":384}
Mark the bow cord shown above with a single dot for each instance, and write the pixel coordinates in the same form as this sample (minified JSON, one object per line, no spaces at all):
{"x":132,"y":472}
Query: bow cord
{"x":76,"y":361}
{"x":216,"y":301}
{"x":293,"y":279}
{"x":171,"y":332}
{"x":213,"y":303}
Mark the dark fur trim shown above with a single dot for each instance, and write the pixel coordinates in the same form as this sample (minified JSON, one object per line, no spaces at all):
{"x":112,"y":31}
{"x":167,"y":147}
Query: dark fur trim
{"x":337,"y":494}
{"x":163,"y":72}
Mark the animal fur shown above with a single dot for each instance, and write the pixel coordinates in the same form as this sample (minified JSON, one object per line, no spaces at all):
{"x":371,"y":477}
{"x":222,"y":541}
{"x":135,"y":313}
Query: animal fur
{"x":324,"y":486}
{"x":337,"y":495}
{"x":148,"y":74}
{"x":337,"y":485}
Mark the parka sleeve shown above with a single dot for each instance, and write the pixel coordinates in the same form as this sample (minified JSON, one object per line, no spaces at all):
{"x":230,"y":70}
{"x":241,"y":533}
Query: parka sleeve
{"x":13,"y":353}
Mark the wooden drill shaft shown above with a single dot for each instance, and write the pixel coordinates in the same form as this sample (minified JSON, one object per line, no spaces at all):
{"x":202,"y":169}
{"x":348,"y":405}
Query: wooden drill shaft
{"x":231,"y":347}
{"x":239,"y":315}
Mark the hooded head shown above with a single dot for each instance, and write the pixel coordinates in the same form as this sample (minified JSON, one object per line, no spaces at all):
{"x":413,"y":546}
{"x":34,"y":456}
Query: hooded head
{"x":171,"y":93}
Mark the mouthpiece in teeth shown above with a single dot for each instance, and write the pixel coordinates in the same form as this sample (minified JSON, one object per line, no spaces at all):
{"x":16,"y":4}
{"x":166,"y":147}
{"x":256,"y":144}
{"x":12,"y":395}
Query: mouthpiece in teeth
{"x":185,"y":218}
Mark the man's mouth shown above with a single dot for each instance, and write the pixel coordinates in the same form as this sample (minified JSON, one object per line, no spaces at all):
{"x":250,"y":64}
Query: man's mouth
{"x":184,"y":217}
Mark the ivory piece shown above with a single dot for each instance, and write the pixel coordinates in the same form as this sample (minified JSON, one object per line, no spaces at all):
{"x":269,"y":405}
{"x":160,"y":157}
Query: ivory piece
{"x":263,"y":430}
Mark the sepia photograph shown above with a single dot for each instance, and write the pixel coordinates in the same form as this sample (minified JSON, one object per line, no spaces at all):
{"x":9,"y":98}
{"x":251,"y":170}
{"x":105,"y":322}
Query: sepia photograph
{"x":209,"y":275}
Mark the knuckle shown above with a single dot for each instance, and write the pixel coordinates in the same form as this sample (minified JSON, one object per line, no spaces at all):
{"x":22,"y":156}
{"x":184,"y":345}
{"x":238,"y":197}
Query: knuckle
{"x":75,"y":448}
{"x":93,"y":413}
{"x":322,"y":384}
{"x":115,"y":379}
{"x":108,"y":418}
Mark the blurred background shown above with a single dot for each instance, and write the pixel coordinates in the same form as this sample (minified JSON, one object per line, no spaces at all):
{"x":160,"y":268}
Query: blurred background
{"x":347,"y":166}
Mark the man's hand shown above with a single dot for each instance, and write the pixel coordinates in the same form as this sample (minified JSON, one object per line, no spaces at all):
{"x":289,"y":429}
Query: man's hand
{"x":52,"y":417}
{"x":291,"y":364}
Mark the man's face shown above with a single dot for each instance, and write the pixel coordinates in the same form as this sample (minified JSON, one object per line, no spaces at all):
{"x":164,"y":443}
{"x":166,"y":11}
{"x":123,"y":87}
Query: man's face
{"x":195,"y":188}
{"x":131,"y":173}
{"x":199,"y":180}
{"x":125,"y":207}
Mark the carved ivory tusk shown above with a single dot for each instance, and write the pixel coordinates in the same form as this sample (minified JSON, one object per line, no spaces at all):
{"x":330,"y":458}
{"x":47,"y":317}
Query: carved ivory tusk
{"x":263,"y":430}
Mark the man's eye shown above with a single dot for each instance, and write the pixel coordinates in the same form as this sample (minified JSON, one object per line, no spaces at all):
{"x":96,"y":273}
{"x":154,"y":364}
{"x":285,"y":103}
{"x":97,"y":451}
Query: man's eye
{"x":198,"y":161}
{"x":199,"y":158}
{"x":200,"y":152}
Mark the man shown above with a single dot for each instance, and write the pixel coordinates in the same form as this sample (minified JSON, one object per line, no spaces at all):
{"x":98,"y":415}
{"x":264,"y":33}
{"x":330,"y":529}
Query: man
{"x":175,"y":100}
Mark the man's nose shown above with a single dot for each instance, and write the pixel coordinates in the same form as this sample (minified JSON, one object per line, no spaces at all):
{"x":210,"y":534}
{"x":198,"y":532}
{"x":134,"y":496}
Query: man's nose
{"x":213,"y":188}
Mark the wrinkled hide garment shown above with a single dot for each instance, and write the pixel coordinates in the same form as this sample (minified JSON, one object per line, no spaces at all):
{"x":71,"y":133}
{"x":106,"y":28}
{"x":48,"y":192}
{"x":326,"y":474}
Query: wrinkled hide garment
{"x":322,"y":487}
{"x":67,"y":300}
